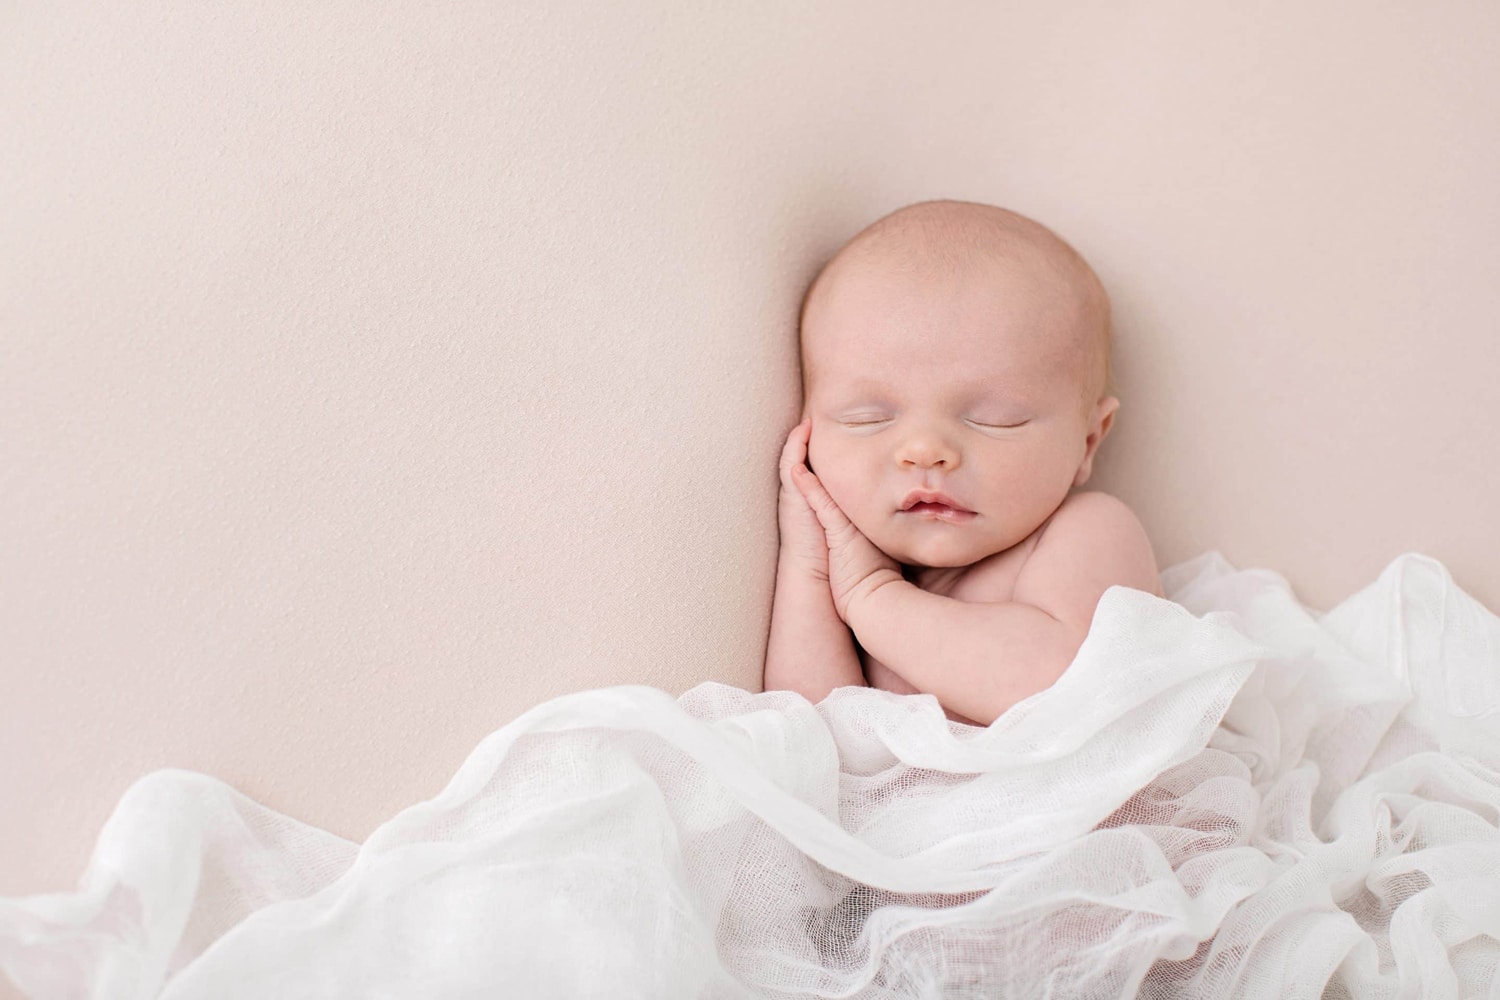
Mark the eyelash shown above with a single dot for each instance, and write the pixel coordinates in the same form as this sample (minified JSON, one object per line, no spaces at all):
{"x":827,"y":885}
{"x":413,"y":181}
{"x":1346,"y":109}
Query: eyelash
{"x":993,"y":427}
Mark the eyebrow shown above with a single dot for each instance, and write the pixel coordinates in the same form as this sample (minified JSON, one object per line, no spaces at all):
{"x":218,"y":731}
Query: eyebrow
{"x":862,"y":384}
{"x":968,"y":388}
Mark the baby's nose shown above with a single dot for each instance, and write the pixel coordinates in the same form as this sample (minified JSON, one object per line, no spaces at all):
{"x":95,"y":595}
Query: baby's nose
{"x":927,"y":451}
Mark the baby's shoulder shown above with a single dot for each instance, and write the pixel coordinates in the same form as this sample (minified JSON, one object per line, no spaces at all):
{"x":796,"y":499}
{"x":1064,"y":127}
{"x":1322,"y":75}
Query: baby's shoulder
{"x":1092,"y":512}
{"x":1092,"y":542}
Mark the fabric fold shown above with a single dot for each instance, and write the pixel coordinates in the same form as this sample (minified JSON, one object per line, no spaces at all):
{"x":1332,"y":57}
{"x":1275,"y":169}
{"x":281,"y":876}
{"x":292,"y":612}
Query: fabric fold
{"x":1227,"y":793}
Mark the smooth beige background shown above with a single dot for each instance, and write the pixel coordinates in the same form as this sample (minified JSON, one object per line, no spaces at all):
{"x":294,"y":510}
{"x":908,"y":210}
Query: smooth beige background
{"x":369,"y":373}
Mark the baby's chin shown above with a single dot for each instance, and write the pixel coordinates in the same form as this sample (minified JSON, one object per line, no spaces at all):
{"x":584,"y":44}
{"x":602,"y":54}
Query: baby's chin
{"x":921,"y":564}
{"x":933,"y":556}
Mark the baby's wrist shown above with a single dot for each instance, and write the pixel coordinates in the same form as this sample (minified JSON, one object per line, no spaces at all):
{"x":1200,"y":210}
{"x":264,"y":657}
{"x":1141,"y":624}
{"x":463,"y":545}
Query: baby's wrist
{"x":802,"y":564}
{"x":866,"y":588}
{"x":804,"y":577}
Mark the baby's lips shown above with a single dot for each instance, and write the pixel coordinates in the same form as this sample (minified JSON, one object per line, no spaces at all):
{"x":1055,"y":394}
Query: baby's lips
{"x":917,"y":497}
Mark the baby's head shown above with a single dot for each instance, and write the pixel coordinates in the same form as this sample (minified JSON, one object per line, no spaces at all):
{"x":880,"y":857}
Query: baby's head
{"x":958,"y":348}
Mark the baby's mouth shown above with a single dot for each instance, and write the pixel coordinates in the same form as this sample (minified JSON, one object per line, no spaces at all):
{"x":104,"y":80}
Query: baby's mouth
{"x":929,"y":504}
{"x":934,"y":511}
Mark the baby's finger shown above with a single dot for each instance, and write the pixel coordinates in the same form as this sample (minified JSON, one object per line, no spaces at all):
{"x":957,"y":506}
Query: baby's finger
{"x":796,"y":438}
{"x":793,"y":453}
{"x":829,"y":514}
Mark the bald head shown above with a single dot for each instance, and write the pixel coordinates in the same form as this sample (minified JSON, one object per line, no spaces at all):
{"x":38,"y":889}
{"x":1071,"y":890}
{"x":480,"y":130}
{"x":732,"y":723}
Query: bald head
{"x":944,"y":239}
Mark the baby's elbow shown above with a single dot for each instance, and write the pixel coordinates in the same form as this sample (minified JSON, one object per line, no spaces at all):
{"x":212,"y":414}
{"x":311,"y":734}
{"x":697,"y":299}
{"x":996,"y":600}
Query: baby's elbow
{"x":1050,"y":659}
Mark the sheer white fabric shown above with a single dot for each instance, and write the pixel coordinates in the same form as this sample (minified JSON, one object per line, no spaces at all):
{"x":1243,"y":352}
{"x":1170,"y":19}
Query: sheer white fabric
{"x":1227,"y":794}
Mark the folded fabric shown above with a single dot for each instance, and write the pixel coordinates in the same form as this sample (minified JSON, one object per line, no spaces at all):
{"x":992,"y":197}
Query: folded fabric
{"x":1226,"y":794}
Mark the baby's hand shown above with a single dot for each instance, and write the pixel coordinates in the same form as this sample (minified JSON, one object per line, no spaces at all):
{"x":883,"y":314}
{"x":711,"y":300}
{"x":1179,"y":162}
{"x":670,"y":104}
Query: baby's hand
{"x":855,"y":565}
{"x":803,"y":543}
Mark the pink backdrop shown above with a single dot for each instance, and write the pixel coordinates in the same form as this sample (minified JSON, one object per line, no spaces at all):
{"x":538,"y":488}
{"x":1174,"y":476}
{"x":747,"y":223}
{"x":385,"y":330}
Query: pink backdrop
{"x":367,"y":377}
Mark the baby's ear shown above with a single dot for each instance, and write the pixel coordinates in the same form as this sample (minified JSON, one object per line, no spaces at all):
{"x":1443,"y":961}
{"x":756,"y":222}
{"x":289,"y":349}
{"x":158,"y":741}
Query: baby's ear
{"x":1100,"y":421}
{"x":1103,"y":418}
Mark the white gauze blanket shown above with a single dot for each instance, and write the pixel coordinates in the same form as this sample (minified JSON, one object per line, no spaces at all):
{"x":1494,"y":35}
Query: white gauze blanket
{"x":1229,"y":795}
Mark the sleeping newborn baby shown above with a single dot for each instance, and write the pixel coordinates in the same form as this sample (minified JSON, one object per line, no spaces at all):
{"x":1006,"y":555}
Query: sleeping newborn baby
{"x":955,"y":362}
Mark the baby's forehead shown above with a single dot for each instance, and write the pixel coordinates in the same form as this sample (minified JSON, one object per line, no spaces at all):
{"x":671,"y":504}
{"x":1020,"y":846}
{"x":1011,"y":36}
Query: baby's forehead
{"x":950,"y":369}
{"x":1000,"y":309}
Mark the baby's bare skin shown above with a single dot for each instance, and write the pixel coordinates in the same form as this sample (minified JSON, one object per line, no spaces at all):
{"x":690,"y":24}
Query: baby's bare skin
{"x":992,"y":579}
{"x":955,"y":349}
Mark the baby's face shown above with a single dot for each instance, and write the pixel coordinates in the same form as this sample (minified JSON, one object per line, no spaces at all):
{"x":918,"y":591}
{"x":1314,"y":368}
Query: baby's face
{"x":968,"y":385}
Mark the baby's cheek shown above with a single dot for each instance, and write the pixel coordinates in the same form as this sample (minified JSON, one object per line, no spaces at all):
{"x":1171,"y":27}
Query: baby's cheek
{"x":844,"y":493}
{"x":848,"y":482}
{"x":861,"y":504}
{"x":829,"y":464}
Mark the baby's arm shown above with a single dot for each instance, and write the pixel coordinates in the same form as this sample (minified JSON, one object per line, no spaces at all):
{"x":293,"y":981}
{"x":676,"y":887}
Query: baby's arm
{"x":810,"y":650}
{"x":979,"y":659}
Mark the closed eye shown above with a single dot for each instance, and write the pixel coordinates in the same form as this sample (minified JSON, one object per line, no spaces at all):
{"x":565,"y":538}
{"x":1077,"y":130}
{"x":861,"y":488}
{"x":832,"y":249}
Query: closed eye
{"x":976,"y":423}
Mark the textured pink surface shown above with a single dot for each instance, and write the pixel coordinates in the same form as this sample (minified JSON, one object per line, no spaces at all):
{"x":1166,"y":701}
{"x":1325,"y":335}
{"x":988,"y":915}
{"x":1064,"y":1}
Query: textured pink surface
{"x":366,"y":379}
